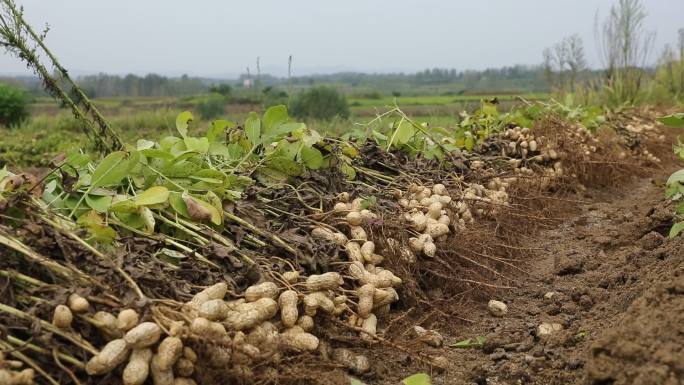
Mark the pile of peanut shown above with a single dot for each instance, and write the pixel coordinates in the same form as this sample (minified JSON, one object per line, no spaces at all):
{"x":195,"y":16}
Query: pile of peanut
{"x":269,"y":320}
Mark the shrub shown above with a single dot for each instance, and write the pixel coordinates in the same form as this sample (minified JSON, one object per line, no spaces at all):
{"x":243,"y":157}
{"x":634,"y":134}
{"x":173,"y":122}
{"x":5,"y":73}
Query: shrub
{"x":221,"y":89}
{"x":212,"y":106}
{"x":375,"y":95}
{"x":322,"y":103}
{"x":13,"y":105}
{"x":274,"y":98}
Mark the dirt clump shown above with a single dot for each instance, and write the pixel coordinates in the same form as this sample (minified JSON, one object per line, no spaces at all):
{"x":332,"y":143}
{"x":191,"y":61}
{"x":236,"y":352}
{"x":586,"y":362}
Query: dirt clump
{"x":653,"y":352}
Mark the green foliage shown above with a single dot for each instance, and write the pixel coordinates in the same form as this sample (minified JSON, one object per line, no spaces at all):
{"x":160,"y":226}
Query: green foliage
{"x":448,"y":99}
{"x":13,"y":105}
{"x":186,"y":175}
{"x":274,"y":97}
{"x":374,"y":95}
{"x":675,"y":120}
{"x":36,"y":141}
{"x":590,"y":117}
{"x":212,"y":106}
{"x":321,"y":103}
{"x":394,"y":130}
{"x":675,"y":183}
{"x":221,"y":89}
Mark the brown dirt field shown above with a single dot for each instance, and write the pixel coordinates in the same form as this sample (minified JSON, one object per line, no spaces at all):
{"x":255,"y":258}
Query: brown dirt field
{"x":617,"y":285}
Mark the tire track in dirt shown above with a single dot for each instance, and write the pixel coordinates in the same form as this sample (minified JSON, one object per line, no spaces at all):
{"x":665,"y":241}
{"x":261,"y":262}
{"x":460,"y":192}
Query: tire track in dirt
{"x":614,"y":282}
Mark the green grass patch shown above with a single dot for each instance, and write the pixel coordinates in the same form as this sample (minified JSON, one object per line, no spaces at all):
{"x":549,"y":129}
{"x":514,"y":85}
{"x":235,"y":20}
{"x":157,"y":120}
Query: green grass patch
{"x":436,"y":100}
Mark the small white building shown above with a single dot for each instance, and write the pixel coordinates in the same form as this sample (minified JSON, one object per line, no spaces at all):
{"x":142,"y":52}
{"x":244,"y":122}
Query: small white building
{"x":247,"y":83}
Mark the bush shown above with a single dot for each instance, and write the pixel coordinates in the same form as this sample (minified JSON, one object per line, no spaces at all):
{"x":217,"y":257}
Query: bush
{"x":221,"y":89}
{"x":375,"y":95}
{"x":212,"y":106}
{"x":13,"y":105}
{"x":322,"y":103}
{"x":274,"y":97}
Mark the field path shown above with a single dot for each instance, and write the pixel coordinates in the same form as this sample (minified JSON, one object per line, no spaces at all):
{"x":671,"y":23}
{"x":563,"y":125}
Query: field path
{"x":614,"y":283}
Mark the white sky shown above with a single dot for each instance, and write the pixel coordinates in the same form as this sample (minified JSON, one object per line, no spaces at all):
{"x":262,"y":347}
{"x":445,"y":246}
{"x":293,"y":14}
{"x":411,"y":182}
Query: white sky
{"x":221,"y":38}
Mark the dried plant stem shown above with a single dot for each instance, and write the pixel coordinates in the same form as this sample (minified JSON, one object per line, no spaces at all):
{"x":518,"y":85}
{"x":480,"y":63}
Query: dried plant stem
{"x":28,"y":361}
{"x":64,"y":272}
{"x":13,"y":28}
{"x":274,"y":238}
{"x":98,"y":254}
{"x":75,"y":339}
{"x":21,"y":344}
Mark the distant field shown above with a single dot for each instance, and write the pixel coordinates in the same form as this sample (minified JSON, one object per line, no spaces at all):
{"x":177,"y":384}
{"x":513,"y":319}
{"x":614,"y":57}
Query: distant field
{"x":133,"y":115}
{"x":437,"y":100}
{"x":117,"y":105}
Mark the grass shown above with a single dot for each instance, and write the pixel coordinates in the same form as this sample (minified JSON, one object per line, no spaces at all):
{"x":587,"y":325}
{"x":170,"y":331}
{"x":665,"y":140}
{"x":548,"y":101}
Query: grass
{"x":38,"y":140}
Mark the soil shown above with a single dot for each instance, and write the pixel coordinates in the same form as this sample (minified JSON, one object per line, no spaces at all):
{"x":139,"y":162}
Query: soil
{"x":611,"y":278}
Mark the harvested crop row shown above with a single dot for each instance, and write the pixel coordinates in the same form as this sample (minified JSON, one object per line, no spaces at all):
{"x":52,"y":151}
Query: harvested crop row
{"x":246,"y":325}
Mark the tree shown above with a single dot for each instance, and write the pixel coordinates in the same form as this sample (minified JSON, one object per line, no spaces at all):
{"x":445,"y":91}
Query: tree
{"x":564,"y":64}
{"x":548,"y":67}
{"x":212,"y":106}
{"x":320,"y":102}
{"x":574,"y":49}
{"x":221,"y":89}
{"x":624,"y":47}
{"x":13,"y":105}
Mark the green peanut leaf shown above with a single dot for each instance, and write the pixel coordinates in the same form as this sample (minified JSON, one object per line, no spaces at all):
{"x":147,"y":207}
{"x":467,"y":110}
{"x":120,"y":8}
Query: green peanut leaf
{"x":253,"y":128}
{"x":676,"y":229}
{"x":152,"y":196}
{"x":417,"y":379}
{"x":404,"y":132}
{"x":182,"y":122}
{"x":144,"y":144}
{"x":677,"y":176}
{"x":217,"y":130}
{"x":178,"y":204}
{"x":98,"y":203}
{"x":274,"y":117}
{"x":311,"y":157}
{"x":674,"y":120}
{"x":200,"y":145}
{"x":113,"y":168}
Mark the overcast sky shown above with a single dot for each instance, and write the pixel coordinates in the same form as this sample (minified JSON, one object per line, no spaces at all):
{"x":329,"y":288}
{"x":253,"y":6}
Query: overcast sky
{"x":222,"y":38}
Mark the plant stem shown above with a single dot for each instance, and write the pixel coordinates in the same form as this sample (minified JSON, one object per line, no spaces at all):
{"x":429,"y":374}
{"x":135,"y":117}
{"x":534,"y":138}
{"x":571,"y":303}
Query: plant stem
{"x":260,"y":232}
{"x":25,"y":344}
{"x":16,"y":245}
